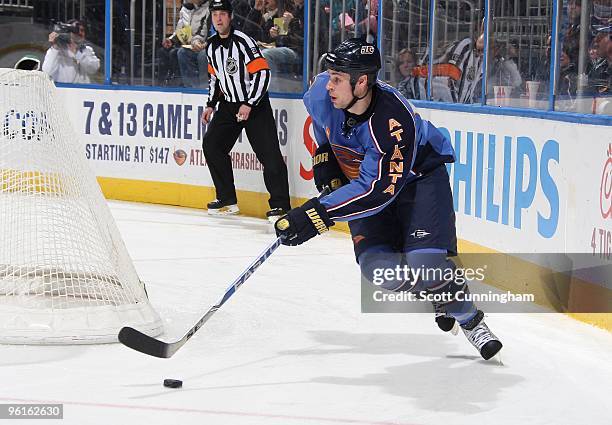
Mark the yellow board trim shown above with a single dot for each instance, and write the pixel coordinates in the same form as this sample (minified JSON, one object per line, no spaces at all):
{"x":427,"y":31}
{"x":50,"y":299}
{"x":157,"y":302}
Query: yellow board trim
{"x":512,"y":273}
{"x":29,"y":182}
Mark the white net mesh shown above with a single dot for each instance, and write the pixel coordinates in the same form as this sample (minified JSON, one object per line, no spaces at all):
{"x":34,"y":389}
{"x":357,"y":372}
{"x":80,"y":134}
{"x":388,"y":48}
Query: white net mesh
{"x":65,"y":274}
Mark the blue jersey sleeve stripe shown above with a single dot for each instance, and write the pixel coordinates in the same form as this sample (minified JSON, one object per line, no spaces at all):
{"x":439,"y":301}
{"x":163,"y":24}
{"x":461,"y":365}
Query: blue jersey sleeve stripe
{"x":373,"y":137}
{"x":362,"y":213}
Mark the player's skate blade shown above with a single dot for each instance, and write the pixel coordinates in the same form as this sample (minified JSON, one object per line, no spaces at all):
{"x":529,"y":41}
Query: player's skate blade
{"x":481,"y":337}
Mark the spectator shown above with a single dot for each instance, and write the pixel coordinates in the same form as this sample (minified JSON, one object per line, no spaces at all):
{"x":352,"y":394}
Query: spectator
{"x":457,"y":73}
{"x":365,"y":11}
{"x":406,"y":61}
{"x":260,"y":19}
{"x":286,"y":57}
{"x":572,"y":35}
{"x":568,"y":77}
{"x":599,"y":70}
{"x":504,"y":71}
{"x":602,"y":14}
{"x":513,"y":50}
{"x":368,"y":26}
{"x":169,"y":71}
{"x":606,"y":107}
{"x":70,"y":59}
{"x":241,"y":9}
{"x":334,"y":7}
{"x":542,"y":70}
{"x":323,"y":38}
{"x":192,"y":58}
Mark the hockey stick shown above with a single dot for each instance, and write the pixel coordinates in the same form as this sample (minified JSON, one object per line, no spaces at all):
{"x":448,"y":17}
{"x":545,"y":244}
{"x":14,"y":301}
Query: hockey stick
{"x":146,"y":344}
{"x":154,"y":347}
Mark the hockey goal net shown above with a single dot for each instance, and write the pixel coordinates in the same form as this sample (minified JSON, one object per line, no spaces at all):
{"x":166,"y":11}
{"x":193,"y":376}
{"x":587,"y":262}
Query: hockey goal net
{"x":65,"y":274}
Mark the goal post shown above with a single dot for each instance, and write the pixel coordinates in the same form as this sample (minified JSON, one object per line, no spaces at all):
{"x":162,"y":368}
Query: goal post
{"x":65,"y":274}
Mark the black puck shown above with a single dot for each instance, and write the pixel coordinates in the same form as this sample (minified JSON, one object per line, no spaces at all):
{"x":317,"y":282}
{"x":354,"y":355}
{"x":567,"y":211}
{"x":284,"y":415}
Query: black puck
{"x":173,"y":383}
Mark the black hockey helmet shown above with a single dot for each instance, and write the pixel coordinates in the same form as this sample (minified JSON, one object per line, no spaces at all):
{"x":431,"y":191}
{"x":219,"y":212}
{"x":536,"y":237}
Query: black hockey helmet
{"x":356,"y":57}
{"x":220,"y":5}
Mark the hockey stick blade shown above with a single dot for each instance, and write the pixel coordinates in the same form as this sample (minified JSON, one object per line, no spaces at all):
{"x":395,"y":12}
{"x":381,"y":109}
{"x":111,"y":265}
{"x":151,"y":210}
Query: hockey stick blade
{"x":138,"y":341}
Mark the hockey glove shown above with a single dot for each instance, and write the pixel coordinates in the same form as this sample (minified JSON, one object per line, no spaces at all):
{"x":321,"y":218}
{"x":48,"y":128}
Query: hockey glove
{"x":303,"y":223}
{"x":326,"y":170}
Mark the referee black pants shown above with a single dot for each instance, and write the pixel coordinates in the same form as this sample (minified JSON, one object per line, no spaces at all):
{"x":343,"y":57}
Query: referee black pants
{"x":221,"y":135}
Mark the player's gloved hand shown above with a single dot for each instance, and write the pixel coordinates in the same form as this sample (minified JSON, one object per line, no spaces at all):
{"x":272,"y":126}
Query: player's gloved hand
{"x":303,"y":223}
{"x":327,"y":172}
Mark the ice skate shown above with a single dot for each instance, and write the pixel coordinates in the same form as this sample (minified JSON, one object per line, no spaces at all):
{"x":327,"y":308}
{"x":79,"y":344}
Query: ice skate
{"x":445,"y":322}
{"x":274,"y":214}
{"x":218,"y":207}
{"x":481,"y":337}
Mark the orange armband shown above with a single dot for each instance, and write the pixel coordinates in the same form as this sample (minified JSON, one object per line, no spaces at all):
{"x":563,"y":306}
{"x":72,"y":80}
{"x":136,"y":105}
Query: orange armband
{"x":439,"y":70}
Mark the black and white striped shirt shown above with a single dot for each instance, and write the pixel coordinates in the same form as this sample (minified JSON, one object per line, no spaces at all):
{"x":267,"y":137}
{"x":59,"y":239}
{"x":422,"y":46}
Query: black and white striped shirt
{"x":457,"y":75}
{"x":238,"y":71}
{"x":462,"y":54}
{"x":470,"y":63}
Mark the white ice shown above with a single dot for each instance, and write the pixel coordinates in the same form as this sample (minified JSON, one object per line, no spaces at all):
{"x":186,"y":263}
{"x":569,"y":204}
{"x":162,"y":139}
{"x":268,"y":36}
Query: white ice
{"x":292,"y":347}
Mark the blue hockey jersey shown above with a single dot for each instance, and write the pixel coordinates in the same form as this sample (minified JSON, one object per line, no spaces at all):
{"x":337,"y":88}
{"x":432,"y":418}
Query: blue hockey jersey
{"x":378,"y":155}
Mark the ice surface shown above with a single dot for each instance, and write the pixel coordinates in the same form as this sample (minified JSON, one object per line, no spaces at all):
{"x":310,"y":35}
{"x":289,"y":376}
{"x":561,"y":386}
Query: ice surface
{"x":291,"y":347}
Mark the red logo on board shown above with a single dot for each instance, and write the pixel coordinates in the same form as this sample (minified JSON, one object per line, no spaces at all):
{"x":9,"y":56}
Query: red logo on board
{"x":311,"y":147}
{"x":605,"y":189}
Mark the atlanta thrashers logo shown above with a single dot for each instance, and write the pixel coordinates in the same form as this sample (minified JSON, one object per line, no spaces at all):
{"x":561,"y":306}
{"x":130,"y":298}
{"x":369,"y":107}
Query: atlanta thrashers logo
{"x":231,"y":66}
{"x":180,"y":156}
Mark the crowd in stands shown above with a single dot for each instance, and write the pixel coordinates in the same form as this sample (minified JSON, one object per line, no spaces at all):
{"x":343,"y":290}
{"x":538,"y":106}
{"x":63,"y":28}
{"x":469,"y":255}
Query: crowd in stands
{"x":457,"y":72}
{"x":585,"y":54}
{"x":276,"y":25}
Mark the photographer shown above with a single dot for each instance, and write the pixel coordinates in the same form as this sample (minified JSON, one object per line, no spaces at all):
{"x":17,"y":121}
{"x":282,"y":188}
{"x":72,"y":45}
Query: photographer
{"x":69,"y":59}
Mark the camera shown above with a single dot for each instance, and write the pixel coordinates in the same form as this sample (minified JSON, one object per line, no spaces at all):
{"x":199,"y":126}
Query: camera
{"x":64,"y":31}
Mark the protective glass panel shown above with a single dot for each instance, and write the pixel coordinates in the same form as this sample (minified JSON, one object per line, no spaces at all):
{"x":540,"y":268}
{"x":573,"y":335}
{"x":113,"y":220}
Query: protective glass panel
{"x":405,"y":40}
{"x":518,"y":72}
{"x":333,"y":21}
{"x":585,"y":57}
{"x":278,"y":28}
{"x":458,"y":51}
{"x":139,"y":49}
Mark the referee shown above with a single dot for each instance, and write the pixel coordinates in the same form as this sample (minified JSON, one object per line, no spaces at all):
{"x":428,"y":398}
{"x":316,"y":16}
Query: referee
{"x":239,"y":79}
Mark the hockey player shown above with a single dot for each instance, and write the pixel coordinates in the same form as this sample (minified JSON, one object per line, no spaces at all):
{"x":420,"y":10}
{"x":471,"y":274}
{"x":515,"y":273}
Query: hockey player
{"x":387,"y":166}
